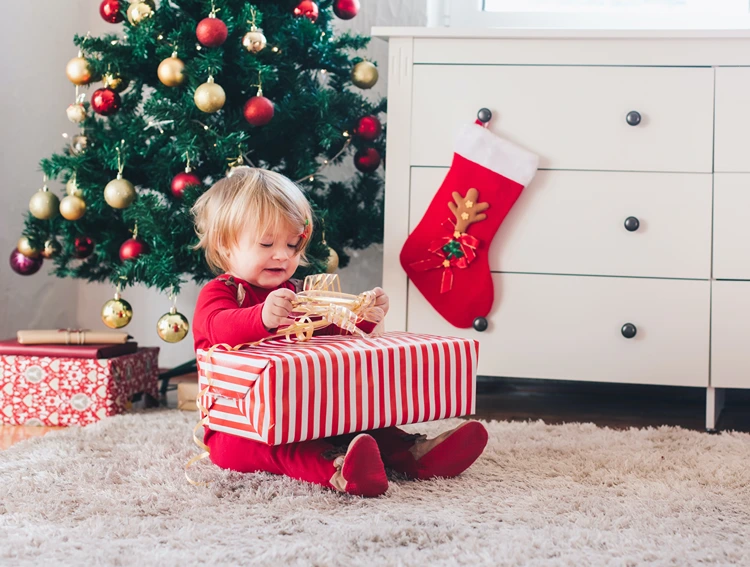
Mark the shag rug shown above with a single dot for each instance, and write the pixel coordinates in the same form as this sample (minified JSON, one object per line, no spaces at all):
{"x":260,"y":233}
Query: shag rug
{"x":114,"y":494}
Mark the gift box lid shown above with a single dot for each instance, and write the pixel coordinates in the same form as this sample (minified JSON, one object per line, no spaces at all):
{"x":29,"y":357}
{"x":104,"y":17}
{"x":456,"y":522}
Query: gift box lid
{"x":11,"y":347}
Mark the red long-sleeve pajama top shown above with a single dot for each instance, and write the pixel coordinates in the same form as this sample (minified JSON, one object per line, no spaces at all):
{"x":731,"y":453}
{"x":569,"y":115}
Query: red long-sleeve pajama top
{"x":229,"y":311}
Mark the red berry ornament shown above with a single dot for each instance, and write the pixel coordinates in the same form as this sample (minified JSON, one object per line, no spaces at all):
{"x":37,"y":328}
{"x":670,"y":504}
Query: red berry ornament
{"x":346,"y":9}
{"x":182,"y":181}
{"x":307,"y":9}
{"x":367,"y":160}
{"x":132,"y":248}
{"x":211,"y":32}
{"x":83,"y":246}
{"x":369,"y":128}
{"x":110,"y":11}
{"x":105,"y":101}
{"x":258,"y":110}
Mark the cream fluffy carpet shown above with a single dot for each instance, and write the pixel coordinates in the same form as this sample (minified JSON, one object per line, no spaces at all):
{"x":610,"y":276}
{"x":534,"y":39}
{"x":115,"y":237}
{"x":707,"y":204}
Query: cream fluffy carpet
{"x":114,"y":494}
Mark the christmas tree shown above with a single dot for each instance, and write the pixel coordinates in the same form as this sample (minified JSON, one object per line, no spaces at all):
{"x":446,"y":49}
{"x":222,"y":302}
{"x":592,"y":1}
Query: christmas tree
{"x":190,"y":89}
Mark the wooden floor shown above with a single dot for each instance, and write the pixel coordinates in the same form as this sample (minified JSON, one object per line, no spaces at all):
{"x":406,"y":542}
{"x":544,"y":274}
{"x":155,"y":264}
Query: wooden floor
{"x":608,"y":405}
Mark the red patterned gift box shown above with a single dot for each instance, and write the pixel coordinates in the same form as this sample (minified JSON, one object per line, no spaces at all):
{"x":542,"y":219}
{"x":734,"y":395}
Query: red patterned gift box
{"x":41,"y":390}
{"x":283,"y":392}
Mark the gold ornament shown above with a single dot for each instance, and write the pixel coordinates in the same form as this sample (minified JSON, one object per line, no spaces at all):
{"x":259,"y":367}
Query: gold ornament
{"x":72,"y":189}
{"x":76,"y":113}
{"x":172,"y":327}
{"x":79,"y":71}
{"x":78,"y":144}
{"x":51,"y":248}
{"x":170,"y":71}
{"x":365,"y":75}
{"x":254,"y":40}
{"x":139,"y":11}
{"x":24,"y":247}
{"x":44,"y":205}
{"x":117,"y":312}
{"x":115,"y":82}
{"x":209,"y":97}
{"x":332,"y":263}
{"x":72,"y":208}
{"x":119,"y":193}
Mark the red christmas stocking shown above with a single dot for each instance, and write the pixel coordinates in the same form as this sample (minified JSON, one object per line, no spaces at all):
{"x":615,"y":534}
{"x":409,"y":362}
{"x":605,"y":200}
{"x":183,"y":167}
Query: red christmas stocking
{"x":446,"y":255}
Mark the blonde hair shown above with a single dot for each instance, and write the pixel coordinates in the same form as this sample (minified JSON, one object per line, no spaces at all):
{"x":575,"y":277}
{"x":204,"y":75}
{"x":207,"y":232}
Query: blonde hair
{"x":260,"y":199}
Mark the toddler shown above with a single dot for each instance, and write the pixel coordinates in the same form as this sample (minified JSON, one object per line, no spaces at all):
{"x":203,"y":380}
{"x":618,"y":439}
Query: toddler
{"x":254,"y":227}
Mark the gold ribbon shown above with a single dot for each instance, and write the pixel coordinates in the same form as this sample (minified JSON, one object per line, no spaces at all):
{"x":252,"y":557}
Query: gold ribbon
{"x":320,"y":304}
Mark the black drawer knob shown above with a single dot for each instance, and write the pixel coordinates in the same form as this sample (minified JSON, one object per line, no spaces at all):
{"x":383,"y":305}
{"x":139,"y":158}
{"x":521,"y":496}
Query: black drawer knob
{"x":628,"y":330}
{"x":633,"y":118}
{"x":484,"y":115}
{"x":480,"y":324}
{"x":632,"y":224}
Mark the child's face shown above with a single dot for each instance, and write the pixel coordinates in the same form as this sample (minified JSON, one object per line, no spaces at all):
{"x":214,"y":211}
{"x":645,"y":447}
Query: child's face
{"x":267,"y":262}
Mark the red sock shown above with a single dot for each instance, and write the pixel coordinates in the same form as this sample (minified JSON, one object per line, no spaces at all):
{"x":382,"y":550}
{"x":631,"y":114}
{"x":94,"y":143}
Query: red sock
{"x":446,"y":255}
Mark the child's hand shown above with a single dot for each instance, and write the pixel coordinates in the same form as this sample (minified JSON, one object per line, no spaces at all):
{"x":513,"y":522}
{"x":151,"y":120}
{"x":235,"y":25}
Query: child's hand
{"x":276,"y":308}
{"x":381,"y":300}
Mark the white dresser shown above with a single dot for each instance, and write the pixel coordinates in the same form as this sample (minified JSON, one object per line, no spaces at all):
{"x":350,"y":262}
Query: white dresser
{"x":627,"y":259}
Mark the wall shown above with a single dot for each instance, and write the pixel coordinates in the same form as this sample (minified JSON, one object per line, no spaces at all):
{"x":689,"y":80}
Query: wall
{"x":36,"y":45}
{"x":36,"y":95}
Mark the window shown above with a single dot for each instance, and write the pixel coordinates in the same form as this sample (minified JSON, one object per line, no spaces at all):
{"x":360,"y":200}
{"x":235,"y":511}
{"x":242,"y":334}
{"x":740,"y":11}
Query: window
{"x":619,"y":6}
{"x":598,"y":14}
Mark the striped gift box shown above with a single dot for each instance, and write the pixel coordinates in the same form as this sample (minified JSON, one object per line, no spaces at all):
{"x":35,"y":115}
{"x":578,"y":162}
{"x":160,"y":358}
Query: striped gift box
{"x":284,"y":392}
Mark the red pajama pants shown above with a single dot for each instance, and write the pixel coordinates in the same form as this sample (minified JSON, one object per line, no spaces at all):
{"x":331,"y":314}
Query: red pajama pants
{"x":311,"y":461}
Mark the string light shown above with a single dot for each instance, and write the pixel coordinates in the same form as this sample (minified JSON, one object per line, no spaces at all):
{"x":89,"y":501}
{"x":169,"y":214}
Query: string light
{"x":275,"y":49}
{"x":159,"y":37}
{"x":114,"y":42}
{"x":311,"y":177}
{"x":158,"y":124}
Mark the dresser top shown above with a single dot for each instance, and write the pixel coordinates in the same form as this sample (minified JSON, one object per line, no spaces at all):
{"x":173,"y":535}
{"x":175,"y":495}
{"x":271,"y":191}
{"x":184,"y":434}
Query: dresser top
{"x":719,"y":29}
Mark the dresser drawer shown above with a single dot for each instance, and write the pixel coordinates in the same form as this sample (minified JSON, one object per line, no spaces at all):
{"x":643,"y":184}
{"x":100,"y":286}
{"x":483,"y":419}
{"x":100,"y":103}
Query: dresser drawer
{"x":573,"y":222}
{"x":732,"y":226}
{"x":569,"y":327}
{"x":730,"y":335}
{"x":732,"y":136}
{"x":573,"y":117}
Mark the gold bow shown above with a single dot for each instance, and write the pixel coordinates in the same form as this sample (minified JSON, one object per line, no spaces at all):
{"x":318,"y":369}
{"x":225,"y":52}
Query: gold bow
{"x":321,"y":303}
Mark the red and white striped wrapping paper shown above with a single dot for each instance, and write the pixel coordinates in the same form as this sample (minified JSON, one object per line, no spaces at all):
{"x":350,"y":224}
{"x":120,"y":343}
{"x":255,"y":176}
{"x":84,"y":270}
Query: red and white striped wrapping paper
{"x":284,"y":392}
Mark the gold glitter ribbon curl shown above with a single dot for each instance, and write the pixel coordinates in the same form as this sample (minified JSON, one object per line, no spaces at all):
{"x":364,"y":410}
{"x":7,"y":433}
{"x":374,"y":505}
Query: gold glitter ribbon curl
{"x":320,"y":304}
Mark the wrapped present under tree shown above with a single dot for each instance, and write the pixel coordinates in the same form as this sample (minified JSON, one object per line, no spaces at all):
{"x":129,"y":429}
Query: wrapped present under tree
{"x":57,"y":390}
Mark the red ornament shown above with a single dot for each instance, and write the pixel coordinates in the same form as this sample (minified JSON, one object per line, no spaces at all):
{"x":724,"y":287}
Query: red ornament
{"x":308,"y":9}
{"x":182,"y":181}
{"x":367,"y":160}
{"x":368,"y":128}
{"x":132,"y":248}
{"x":111,"y":11}
{"x":105,"y":101}
{"x":211,"y":32}
{"x":258,"y":111}
{"x":23,"y":265}
{"x":346,"y":9}
{"x":83,"y":246}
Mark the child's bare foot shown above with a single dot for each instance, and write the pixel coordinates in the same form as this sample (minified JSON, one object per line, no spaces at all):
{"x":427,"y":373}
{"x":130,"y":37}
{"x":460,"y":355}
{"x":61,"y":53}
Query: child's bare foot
{"x":450,"y":453}
{"x":360,"y":471}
